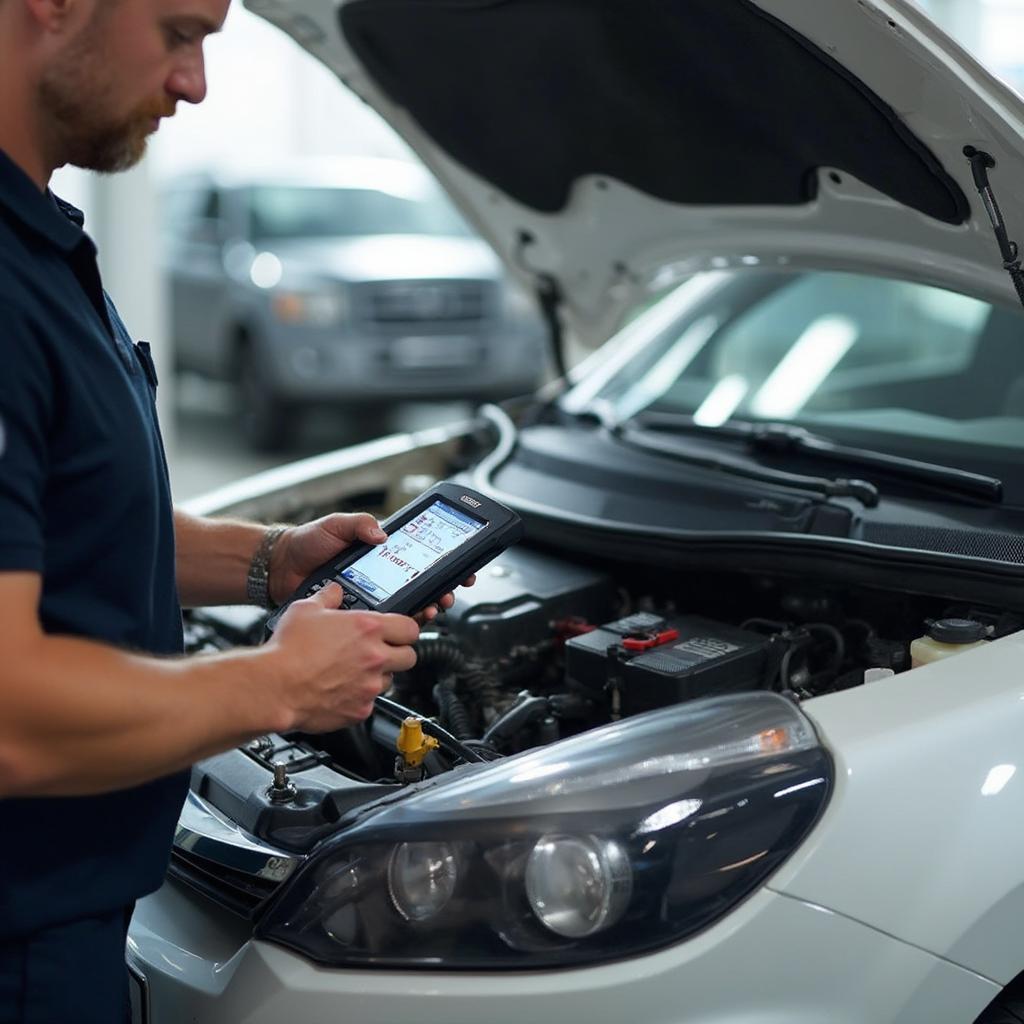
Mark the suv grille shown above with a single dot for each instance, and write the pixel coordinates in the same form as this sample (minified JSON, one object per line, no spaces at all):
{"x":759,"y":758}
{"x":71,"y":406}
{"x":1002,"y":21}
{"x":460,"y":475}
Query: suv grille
{"x":419,"y":301}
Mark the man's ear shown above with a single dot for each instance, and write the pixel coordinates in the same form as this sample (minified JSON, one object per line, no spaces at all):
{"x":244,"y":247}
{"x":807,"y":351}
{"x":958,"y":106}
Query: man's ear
{"x":59,"y":16}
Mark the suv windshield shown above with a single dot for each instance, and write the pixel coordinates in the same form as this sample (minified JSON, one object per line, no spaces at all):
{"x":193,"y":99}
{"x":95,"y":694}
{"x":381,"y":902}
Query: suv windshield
{"x":281,"y":211}
{"x":838,"y":353}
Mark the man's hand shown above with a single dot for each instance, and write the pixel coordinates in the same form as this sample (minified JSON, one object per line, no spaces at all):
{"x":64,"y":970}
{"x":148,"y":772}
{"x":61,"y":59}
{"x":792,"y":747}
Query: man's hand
{"x":332,"y":666}
{"x":302,"y":549}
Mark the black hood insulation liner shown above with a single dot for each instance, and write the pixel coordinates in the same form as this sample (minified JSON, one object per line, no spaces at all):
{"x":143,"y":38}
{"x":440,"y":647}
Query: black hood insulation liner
{"x":693,"y":101}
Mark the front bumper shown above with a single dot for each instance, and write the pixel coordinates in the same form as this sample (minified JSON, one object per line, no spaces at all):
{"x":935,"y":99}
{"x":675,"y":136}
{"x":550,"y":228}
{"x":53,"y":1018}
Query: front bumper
{"x":774,"y":960}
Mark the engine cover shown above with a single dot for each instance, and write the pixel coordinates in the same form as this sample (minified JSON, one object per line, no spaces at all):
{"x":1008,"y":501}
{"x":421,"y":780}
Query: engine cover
{"x":519,"y":598}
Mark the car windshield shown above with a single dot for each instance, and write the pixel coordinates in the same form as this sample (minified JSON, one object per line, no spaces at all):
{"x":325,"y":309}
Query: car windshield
{"x":281,"y":211}
{"x":865,"y":359}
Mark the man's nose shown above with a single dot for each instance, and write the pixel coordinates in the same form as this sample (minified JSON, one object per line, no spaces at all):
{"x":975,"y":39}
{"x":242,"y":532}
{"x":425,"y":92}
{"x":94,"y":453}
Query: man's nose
{"x":187,"y":80}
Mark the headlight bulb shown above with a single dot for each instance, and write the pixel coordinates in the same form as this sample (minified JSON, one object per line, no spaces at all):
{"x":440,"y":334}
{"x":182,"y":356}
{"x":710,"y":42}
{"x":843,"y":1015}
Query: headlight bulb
{"x":578,"y":885}
{"x":421,"y":879}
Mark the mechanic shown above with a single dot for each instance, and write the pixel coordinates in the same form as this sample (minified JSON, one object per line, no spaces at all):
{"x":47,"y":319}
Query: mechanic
{"x":100,"y":720}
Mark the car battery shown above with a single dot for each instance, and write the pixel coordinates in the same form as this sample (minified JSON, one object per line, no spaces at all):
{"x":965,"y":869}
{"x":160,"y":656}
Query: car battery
{"x":646,"y":661}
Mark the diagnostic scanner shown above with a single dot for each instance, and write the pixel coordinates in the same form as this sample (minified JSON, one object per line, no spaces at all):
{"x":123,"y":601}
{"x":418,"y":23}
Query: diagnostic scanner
{"x":433,"y":544}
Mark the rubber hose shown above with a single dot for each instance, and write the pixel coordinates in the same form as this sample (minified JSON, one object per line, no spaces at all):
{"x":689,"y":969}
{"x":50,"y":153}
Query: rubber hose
{"x":440,"y":653}
{"x":517,"y":717}
{"x":456,"y":717}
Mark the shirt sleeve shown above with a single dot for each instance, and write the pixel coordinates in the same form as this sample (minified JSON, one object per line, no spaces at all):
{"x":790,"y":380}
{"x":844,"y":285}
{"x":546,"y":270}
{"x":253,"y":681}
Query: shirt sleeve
{"x":26,"y":404}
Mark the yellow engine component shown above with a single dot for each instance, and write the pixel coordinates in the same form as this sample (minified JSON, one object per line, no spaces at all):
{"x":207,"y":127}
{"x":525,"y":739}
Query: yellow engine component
{"x":413,"y":745}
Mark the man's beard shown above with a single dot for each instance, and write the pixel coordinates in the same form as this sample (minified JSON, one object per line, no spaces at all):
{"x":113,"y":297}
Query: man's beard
{"x":74,"y":94}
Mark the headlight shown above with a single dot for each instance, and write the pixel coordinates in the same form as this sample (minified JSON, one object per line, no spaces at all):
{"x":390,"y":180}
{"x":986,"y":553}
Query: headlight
{"x":578,"y":885}
{"x":615,"y":842}
{"x":324,"y":308}
{"x":421,"y":879}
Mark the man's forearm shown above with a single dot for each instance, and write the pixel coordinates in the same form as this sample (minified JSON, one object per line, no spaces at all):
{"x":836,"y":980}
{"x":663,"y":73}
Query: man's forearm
{"x":81,"y":717}
{"x":213,"y":557}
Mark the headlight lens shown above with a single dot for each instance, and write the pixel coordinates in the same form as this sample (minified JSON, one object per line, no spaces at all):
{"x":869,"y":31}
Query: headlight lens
{"x":615,"y":842}
{"x":421,"y":879}
{"x":577,"y":885}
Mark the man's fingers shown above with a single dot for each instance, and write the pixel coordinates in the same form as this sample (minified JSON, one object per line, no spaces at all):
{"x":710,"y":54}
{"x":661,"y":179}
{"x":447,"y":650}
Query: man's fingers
{"x":329,"y":595}
{"x":400,"y":659}
{"x":397,"y":629}
{"x":445,"y":601}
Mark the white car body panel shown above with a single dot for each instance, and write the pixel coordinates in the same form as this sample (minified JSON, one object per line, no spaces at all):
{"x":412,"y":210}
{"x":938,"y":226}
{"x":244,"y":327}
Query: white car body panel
{"x":922,"y":838}
{"x":611,"y":242}
{"x":754,"y":967}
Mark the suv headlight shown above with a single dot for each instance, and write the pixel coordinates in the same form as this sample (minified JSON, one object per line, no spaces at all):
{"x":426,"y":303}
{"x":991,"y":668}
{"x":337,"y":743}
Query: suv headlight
{"x":621,"y":840}
{"x":324,"y":307}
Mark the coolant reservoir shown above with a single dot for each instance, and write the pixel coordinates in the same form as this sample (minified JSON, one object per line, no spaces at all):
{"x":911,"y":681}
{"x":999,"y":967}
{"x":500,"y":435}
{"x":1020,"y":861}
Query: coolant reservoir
{"x":946,"y":637}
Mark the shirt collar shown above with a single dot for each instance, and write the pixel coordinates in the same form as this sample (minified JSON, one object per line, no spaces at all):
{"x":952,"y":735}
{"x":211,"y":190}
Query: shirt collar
{"x":58,"y":222}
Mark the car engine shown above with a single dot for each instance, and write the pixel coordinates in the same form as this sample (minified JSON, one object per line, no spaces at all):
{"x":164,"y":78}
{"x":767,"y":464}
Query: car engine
{"x":542,"y":648}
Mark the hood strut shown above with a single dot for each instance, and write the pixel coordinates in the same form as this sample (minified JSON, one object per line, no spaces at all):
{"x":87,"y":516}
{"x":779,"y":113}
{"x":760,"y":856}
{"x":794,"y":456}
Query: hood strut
{"x":980,"y":163}
{"x":549,"y":296}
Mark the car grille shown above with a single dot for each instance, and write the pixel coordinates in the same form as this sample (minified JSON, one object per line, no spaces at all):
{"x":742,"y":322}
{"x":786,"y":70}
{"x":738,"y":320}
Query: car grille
{"x":1001,"y":547}
{"x":425,"y":301}
{"x":235,"y":890}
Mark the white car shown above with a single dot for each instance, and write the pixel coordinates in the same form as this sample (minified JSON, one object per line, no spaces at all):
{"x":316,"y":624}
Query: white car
{"x":734,"y":735}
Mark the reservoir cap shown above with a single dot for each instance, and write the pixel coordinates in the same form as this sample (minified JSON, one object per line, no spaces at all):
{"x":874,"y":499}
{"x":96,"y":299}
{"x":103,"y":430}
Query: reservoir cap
{"x":956,"y":631}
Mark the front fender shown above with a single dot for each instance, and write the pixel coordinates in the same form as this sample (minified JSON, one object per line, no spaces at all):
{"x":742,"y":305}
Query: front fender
{"x":923,"y":838}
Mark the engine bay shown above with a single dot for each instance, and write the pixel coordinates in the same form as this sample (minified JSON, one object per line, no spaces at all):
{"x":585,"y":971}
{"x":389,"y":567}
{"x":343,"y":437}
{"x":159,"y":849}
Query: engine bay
{"x":544,"y":647}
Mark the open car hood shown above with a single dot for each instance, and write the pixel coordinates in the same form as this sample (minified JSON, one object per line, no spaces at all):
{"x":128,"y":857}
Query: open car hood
{"x":607,"y":148}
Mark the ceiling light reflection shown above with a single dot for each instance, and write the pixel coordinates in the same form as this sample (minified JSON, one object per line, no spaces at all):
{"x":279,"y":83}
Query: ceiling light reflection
{"x":801,"y":785}
{"x":801,"y":371}
{"x":668,"y":816}
{"x":542,"y":771}
{"x":723,"y":401}
{"x":997,"y":778}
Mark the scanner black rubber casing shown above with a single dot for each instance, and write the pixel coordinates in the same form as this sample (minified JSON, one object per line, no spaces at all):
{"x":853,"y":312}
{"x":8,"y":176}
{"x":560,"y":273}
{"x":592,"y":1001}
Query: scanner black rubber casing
{"x":502,"y":528}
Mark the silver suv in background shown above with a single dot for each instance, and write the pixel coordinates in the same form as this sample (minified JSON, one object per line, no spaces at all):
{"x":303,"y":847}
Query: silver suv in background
{"x":353,"y":284}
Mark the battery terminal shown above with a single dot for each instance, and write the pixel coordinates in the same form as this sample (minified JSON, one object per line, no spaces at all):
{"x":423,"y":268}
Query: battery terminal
{"x":648,"y":640}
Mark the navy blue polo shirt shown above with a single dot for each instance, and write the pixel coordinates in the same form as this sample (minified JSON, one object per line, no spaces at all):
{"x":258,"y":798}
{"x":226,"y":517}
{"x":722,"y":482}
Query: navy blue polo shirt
{"x":85,"y":502}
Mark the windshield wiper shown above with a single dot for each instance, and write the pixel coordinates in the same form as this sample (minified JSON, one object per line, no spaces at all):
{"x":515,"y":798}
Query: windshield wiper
{"x":783,"y":437}
{"x":637,"y":433}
